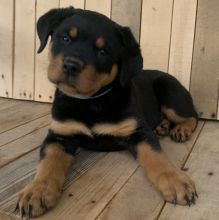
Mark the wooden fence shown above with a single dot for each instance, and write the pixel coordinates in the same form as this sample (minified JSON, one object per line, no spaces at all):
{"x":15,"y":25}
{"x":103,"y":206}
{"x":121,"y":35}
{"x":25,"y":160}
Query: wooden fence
{"x":177,"y":36}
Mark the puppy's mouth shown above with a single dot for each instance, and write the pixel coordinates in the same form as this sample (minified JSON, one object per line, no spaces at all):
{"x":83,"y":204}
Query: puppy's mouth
{"x":80,"y":82}
{"x":76,"y":79}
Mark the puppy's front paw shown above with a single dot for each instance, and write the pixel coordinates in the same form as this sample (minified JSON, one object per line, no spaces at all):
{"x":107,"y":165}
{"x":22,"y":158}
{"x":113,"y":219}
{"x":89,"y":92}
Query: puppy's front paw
{"x":180,"y":133}
{"x":176,"y":187}
{"x":38,"y":197}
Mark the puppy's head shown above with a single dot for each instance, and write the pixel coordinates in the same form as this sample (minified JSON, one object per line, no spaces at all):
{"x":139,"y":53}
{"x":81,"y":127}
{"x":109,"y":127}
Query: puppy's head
{"x":88,"y":51}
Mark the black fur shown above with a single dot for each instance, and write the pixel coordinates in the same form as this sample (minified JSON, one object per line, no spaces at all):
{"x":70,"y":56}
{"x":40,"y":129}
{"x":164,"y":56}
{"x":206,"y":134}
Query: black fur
{"x":135,"y":93}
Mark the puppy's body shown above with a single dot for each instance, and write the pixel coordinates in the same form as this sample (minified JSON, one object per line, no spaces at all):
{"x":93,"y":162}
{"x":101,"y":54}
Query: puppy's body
{"x":105,"y":102}
{"x":141,"y":99}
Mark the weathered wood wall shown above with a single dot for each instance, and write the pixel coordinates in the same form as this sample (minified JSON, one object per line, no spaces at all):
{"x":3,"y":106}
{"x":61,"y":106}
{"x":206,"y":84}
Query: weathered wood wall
{"x":177,"y":36}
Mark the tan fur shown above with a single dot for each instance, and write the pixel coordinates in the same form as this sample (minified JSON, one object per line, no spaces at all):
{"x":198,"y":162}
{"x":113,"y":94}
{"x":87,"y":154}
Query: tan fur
{"x":46,"y":188}
{"x":55,"y":68}
{"x":69,"y":128}
{"x":73,"y":32}
{"x":100,"y":42}
{"x":184,"y":126}
{"x":163,"y":128}
{"x":174,"y":117}
{"x":121,"y":129}
{"x":88,"y":82}
{"x":74,"y":59}
{"x":172,"y":182}
{"x":171,"y":115}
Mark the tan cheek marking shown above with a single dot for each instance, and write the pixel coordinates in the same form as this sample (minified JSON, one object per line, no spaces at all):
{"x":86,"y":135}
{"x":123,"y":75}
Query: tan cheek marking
{"x":121,"y":129}
{"x":100,"y":42}
{"x":88,"y":82}
{"x":73,"y":32}
{"x":112,"y":76}
{"x":68,"y":90}
{"x":69,"y":128}
{"x":55,"y":68}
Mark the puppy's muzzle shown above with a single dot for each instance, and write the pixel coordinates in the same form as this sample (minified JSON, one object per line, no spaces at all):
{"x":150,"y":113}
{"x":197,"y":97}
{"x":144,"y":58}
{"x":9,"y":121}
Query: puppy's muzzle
{"x":71,"y":67}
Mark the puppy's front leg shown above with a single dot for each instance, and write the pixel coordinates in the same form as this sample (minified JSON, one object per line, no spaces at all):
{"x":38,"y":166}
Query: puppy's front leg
{"x":175,"y":186}
{"x":44,"y":191}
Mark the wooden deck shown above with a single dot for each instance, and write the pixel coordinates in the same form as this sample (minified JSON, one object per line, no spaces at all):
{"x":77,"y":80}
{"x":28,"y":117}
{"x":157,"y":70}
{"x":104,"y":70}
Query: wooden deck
{"x":104,"y":186}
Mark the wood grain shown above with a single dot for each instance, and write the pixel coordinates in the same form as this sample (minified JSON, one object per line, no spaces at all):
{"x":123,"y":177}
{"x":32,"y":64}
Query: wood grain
{"x":204,"y":79}
{"x":21,"y":146}
{"x":23,"y":113}
{"x":22,"y":130}
{"x":93,"y":190}
{"x":23,"y":87}
{"x":103,"y":6}
{"x":6,"y":45}
{"x":18,"y":173}
{"x":74,"y":3}
{"x":138,"y":199}
{"x":182,"y":39}
{"x":203,"y":168}
{"x":128,"y":13}
{"x":155,"y":33}
{"x":7,"y":103}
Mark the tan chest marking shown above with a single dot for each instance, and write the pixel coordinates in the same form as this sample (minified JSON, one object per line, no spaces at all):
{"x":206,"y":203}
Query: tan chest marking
{"x":121,"y":129}
{"x":70,"y":127}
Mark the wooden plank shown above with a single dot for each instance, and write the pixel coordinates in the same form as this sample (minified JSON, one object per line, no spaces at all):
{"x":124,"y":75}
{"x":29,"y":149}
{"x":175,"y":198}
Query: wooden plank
{"x":15,"y":176}
{"x":4,"y":216}
{"x":18,"y":173}
{"x":93,"y":190}
{"x":7,"y":103}
{"x":20,"y":131}
{"x":23,"y":145}
{"x":218,"y":103}
{"x":203,"y":168}
{"x":74,"y":3}
{"x":155,"y":33}
{"x":23,"y":113}
{"x":128,"y":13}
{"x":138,"y":199}
{"x":103,"y":6}
{"x":24,"y":49}
{"x":6,"y":45}
{"x":44,"y":90}
{"x":204,"y":80}
{"x":182,"y":39}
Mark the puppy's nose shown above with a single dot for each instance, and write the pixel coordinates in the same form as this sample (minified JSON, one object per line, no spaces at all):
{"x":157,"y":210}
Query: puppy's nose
{"x":71,"y":67}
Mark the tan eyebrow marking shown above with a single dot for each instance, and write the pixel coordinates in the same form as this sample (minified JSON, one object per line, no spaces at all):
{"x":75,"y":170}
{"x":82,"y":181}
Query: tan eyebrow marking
{"x":73,"y":32}
{"x":100,"y":42}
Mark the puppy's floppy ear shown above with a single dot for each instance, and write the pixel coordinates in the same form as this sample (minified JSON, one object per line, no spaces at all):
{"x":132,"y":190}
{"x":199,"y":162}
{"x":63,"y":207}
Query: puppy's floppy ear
{"x":49,"y":21}
{"x":132,"y":61}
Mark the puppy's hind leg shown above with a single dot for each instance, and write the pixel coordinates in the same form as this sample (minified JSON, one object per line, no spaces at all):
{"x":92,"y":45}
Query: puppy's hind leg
{"x":177,"y":106}
{"x":163,"y":129}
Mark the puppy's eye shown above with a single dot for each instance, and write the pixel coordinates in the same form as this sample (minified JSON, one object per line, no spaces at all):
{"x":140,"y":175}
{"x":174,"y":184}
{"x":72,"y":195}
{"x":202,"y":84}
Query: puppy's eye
{"x":65,"y":38}
{"x":101,"y":52}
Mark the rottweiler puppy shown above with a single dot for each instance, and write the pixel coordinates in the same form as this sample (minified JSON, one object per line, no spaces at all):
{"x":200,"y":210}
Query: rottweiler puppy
{"x":105,"y":101}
